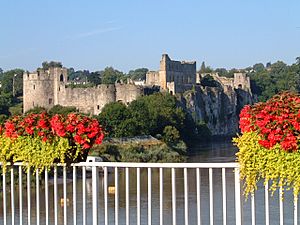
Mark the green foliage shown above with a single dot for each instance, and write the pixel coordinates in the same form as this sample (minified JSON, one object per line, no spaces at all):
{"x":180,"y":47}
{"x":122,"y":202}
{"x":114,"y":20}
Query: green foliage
{"x":78,"y":76}
{"x":202,"y":130}
{"x":3,"y":118}
{"x":277,"y":77}
{"x":222,"y":72}
{"x":139,"y":153}
{"x":111,"y":75}
{"x":80,"y":85}
{"x":163,"y":111}
{"x":138,"y":74}
{"x":12,"y":80}
{"x":202,"y":69}
{"x":36,"y":110}
{"x":146,"y":115}
{"x":112,"y":116}
{"x":258,"y":67}
{"x":16,"y":109}
{"x":64,"y":110}
{"x":6,"y":101}
{"x":94,"y":78}
{"x":171,"y":135}
{"x":276,"y":165}
{"x":209,"y":81}
{"x":46,"y":65}
{"x":36,"y":153}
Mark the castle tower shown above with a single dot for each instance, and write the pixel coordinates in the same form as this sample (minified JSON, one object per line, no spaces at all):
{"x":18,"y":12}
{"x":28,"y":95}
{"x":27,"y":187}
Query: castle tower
{"x":163,"y":68}
{"x":40,"y":88}
{"x":242,"y":81}
{"x":60,"y":77}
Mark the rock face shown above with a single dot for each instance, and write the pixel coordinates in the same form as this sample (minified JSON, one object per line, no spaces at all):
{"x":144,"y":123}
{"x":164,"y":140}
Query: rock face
{"x":216,"y":107}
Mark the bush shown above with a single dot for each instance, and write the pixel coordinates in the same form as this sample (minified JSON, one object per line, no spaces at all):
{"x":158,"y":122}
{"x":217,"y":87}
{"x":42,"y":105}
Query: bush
{"x":64,"y":110}
{"x":171,"y":135}
{"x":36,"y":110}
{"x":138,"y":153}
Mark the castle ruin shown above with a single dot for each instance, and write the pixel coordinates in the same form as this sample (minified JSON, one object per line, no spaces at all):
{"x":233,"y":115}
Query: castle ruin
{"x":180,"y":76}
{"x":173,"y":76}
{"x":46,"y":88}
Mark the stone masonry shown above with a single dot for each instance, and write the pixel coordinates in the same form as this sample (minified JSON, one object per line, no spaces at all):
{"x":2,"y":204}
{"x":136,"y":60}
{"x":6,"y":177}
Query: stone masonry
{"x":46,"y":88}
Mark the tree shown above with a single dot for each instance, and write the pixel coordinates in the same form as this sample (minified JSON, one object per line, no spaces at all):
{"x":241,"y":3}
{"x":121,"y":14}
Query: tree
{"x":6,"y":100}
{"x":12,"y":80}
{"x":163,"y":111}
{"x":46,"y":65}
{"x":64,"y":110}
{"x":202,"y":68}
{"x":111,"y":75}
{"x":94,"y":78}
{"x":171,"y":135}
{"x":138,"y":74}
{"x":112,"y":116}
{"x":209,"y":81}
{"x":222,"y":72}
{"x":258,"y":67}
{"x":298,"y":60}
{"x":70,"y":70}
{"x":1,"y":70}
{"x":146,"y":115}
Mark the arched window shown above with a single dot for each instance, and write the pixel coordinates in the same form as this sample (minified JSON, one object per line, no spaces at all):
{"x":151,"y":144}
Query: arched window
{"x":61,"y":79}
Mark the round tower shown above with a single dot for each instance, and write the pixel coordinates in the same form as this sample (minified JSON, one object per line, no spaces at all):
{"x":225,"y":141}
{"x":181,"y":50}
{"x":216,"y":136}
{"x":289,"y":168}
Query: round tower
{"x":37,"y":90}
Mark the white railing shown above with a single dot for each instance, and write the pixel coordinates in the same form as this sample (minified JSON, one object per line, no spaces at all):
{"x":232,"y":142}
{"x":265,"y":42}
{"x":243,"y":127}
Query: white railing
{"x":134,"y":193}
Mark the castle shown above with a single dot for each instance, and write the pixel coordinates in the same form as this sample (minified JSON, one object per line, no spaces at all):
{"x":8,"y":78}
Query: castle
{"x":46,"y":88}
{"x":178,"y":77}
{"x":173,"y":76}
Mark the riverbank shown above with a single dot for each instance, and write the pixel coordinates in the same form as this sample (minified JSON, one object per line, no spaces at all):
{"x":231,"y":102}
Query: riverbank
{"x":140,"y":149}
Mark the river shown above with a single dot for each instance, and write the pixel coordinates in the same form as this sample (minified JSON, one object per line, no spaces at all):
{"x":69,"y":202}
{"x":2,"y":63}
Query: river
{"x":218,"y":151}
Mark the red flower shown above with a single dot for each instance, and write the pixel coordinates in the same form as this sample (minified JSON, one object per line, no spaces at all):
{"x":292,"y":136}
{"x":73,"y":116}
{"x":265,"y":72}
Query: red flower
{"x":81,"y":130}
{"x":276,"y":121}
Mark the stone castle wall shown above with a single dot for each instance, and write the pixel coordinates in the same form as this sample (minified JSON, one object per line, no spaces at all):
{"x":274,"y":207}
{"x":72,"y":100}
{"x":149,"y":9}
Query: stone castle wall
{"x":49,"y":88}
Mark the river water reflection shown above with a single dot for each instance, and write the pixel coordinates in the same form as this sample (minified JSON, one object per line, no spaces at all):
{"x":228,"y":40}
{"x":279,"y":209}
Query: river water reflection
{"x":209,"y":152}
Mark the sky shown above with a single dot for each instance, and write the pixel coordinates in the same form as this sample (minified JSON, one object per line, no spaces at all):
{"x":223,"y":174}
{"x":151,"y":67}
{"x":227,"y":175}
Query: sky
{"x":92,"y":35}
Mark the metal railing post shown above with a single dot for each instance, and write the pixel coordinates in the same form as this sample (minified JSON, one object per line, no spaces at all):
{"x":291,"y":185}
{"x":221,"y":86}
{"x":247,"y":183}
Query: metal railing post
{"x":238,"y":208}
{"x":95,"y":194}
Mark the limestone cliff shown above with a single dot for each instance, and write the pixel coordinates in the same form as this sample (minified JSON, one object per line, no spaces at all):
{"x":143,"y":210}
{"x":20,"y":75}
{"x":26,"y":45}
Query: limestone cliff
{"x":217,"y":107}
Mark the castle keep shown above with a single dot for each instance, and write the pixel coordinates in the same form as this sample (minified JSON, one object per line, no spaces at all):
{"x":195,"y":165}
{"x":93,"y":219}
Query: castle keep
{"x":173,"y":76}
{"x":46,"y":88}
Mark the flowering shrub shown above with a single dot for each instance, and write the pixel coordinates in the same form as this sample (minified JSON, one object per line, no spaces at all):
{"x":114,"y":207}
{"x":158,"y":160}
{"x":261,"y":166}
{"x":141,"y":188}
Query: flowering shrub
{"x":269,"y":144}
{"x":40,"y":140}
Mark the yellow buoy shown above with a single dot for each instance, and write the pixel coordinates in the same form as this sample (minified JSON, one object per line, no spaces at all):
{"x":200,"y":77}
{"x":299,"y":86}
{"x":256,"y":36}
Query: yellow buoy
{"x":111,"y":189}
{"x":62,"y":202}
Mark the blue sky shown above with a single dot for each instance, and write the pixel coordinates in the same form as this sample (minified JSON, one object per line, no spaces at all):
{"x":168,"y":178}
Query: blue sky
{"x":134,"y":33}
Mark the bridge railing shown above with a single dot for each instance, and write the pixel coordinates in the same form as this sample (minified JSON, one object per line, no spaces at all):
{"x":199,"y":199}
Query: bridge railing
{"x":130,"y":193}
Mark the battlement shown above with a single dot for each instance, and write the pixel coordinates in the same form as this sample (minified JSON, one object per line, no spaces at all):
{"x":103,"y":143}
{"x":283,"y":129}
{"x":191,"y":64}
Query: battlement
{"x":51,"y":74}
